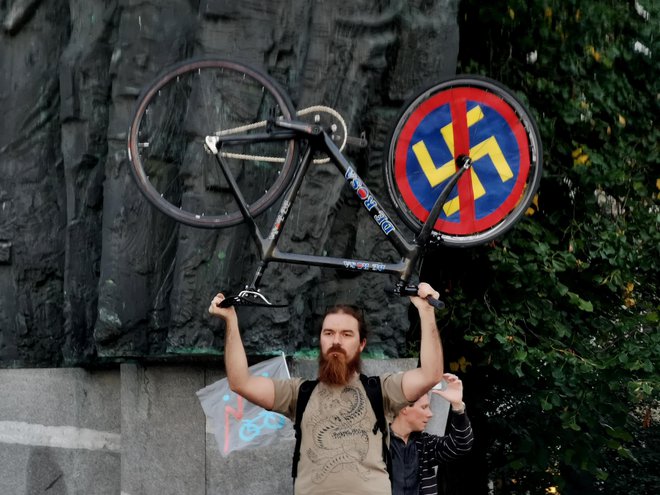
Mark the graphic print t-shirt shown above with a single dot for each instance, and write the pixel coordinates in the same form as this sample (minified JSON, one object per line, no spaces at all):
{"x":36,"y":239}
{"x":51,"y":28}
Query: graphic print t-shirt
{"x":339,"y":452}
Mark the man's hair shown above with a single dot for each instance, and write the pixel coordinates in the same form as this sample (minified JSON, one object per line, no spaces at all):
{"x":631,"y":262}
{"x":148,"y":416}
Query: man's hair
{"x":353,"y":311}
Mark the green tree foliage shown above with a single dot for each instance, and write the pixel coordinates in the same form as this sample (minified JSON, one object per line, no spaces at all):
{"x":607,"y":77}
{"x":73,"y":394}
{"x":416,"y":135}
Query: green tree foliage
{"x":565,"y":332}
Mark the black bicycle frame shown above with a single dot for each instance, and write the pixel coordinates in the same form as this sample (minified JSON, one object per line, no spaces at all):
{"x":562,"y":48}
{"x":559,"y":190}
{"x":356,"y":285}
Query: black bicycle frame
{"x":319,"y":140}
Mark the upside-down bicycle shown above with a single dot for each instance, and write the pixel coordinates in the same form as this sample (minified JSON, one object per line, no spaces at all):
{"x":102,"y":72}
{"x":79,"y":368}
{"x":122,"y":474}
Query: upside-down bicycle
{"x":214,"y":143}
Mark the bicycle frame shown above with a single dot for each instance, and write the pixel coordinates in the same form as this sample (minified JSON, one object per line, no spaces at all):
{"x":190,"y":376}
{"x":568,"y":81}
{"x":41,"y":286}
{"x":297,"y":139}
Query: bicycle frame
{"x":319,"y":140}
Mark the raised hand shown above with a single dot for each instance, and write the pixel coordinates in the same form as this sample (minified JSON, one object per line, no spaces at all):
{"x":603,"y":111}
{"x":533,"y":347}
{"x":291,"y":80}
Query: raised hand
{"x":453,"y":392}
{"x":423,"y":291}
{"x":216,"y":310}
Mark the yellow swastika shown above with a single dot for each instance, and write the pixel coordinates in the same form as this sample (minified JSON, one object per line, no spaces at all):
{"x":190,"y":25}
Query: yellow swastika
{"x":473,"y":116}
{"x":489,"y":147}
{"x":437,"y":175}
{"x":478,"y":190}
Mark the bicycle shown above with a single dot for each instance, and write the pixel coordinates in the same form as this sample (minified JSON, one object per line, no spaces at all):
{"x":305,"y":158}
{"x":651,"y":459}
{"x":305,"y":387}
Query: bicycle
{"x":214,"y":143}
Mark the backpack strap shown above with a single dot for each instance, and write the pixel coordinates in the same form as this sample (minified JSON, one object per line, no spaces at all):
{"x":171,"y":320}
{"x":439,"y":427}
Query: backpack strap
{"x":304,"y":393}
{"x":374,"y":392}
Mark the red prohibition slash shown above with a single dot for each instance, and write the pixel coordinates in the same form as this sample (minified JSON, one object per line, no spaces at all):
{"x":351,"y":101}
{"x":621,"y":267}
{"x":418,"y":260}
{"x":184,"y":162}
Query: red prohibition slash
{"x":457,"y":99}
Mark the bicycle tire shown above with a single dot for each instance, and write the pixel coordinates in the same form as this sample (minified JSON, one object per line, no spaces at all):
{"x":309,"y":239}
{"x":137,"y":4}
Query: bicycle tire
{"x":465,"y":115}
{"x":166,"y":141}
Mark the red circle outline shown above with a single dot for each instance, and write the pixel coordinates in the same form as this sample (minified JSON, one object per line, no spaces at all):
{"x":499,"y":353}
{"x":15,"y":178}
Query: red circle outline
{"x":450,"y":96}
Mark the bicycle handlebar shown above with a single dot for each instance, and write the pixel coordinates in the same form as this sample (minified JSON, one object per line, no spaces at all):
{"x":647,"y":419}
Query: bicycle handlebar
{"x":255,"y":298}
{"x":411,"y":290}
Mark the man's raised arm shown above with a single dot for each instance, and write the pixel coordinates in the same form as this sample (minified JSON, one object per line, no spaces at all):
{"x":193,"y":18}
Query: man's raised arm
{"x":419,"y":380}
{"x":257,"y":389}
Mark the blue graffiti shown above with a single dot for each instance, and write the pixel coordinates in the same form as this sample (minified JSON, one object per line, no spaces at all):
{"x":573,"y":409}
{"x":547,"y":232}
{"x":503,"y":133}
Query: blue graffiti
{"x":251,"y":428}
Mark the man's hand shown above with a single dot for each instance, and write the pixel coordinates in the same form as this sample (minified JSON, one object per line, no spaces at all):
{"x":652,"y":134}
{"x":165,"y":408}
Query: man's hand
{"x":216,"y":310}
{"x":424,"y":290}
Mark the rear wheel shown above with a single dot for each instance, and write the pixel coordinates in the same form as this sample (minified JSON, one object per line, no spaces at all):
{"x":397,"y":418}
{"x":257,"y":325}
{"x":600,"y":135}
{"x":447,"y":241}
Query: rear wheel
{"x":166,"y":142}
{"x":475,"y":117}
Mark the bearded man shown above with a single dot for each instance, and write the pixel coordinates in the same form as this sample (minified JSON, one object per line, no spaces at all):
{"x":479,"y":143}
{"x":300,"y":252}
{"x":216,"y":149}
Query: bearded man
{"x":341,"y":452}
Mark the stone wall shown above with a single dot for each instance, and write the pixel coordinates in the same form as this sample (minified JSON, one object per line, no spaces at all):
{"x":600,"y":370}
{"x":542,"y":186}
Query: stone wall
{"x":131,"y":429}
{"x":86,"y":275}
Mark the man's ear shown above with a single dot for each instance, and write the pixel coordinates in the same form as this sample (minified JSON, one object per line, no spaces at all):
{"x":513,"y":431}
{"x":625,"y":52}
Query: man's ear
{"x":363,"y":344}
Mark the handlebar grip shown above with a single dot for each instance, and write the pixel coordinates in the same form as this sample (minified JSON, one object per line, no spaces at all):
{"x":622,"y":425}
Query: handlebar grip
{"x":411,"y":290}
{"x":436,"y":303}
{"x":228,"y":302}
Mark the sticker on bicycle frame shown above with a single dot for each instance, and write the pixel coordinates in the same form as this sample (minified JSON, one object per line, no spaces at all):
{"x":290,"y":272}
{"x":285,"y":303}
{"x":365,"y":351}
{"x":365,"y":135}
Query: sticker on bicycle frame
{"x":462,"y":121}
{"x":369,"y":202}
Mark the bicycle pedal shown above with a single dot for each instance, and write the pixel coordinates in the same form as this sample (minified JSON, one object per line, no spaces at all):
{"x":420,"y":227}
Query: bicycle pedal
{"x":360,"y":142}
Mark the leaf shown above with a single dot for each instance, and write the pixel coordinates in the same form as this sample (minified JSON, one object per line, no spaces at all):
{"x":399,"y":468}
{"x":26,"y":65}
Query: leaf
{"x":574,"y":426}
{"x":586,"y":306}
{"x":580,"y":303}
{"x":619,"y":433}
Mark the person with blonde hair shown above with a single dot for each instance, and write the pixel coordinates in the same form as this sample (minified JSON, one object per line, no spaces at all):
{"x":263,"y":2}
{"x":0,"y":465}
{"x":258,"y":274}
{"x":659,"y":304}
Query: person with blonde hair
{"x":415,"y":454}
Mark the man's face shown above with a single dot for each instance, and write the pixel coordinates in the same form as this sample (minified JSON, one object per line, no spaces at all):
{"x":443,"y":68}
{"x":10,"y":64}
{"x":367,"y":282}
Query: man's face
{"x":340,"y":334}
{"x":340,"y":349}
{"x":419,"y":413}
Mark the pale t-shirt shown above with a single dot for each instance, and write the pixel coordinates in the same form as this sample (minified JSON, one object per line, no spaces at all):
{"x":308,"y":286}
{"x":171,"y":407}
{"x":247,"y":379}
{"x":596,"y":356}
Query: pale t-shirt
{"x":339,"y":452}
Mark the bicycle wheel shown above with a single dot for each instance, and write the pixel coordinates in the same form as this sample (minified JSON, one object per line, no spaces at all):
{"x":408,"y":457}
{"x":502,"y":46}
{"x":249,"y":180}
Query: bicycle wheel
{"x":479,"y":118}
{"x":166,"y":142}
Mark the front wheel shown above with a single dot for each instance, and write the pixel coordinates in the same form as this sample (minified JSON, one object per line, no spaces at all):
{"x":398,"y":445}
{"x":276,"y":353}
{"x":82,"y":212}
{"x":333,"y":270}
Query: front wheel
{"x":471,"y":116}
{"x":166,"y":142}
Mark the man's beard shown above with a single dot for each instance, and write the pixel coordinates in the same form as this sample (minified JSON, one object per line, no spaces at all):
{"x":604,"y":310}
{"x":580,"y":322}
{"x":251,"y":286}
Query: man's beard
{"x":336,"y":370}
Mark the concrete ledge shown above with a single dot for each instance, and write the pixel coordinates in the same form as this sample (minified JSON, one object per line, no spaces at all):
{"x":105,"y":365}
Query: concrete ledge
{"x":59,"y":431}
{"x":134,"y":430}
